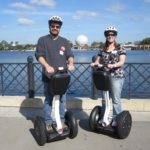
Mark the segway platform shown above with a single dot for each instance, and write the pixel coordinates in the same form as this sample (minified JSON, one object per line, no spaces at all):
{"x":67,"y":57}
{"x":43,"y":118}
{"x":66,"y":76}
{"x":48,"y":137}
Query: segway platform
{"x":42,"y":136}
{"x":54,"y":136}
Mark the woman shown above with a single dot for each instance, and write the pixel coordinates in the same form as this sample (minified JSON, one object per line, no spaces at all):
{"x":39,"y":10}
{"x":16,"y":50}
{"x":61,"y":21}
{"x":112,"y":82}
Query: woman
{"x":114,"y":58}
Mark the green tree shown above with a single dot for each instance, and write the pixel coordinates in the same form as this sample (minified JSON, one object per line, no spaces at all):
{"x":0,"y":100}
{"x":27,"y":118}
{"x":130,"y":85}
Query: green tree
{"x":145,"y":41}
{"x":96,"y":45}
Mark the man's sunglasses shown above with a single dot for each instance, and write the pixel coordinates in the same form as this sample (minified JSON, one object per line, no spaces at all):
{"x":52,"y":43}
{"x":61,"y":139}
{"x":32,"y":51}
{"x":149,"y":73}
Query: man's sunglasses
{"x":55,"y":26}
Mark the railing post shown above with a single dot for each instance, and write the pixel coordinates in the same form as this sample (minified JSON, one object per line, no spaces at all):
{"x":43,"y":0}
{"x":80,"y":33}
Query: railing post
{"x":30,"y":71}
{"x":94,"y":90}
{"x":2,"y":83}
{"x":130,"y":81}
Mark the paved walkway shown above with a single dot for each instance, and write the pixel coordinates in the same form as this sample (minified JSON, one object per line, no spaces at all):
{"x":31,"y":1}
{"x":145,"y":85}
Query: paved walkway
{"x":17,"y":132}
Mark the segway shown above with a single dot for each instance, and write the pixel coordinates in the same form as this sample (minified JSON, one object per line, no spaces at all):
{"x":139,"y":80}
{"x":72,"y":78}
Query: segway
{"x":59,"y":82}
{"x":100,"y":119}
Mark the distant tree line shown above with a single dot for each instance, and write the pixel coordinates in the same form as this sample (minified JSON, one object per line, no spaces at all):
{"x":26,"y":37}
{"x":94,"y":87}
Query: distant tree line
{"x":4,"y":45}
{"x":145,"y":41}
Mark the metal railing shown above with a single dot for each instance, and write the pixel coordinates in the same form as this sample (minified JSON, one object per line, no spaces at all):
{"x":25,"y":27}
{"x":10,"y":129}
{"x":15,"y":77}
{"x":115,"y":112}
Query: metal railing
{"x":25,"y":79}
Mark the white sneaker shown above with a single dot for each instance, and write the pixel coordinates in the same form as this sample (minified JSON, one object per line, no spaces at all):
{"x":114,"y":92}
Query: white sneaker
{"x":100,"y":121}
{"x":114,"y":123}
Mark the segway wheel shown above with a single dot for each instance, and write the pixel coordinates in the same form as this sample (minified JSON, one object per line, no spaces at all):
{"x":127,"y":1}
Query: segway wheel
{"x":72,"y":124}
{"x":124,"y":121}
{"x":40,"y":131}
{"x":94,"y":118}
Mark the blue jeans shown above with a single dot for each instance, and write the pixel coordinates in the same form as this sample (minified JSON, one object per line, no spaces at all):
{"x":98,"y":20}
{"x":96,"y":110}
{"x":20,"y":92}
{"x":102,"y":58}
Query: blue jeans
{"x":116,"y":85}
{"x":48,"y":105}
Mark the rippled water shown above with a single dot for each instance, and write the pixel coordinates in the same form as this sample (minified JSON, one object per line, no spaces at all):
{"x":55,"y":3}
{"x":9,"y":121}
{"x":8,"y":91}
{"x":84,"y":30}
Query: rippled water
{"x":138,"y":56}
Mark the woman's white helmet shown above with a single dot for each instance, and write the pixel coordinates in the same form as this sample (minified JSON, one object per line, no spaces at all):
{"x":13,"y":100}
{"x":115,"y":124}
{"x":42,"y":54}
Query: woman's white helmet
{"x":55,"y":19}
{"x":110,"y":29}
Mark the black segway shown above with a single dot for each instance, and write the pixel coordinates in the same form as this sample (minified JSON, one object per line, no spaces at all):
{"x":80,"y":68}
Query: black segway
{"x":100,"y":119}
{"x":59,"y":84}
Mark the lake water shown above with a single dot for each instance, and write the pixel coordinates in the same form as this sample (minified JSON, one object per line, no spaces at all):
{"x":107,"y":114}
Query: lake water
{"x":138,"y":56}
{"x":137,"y":83}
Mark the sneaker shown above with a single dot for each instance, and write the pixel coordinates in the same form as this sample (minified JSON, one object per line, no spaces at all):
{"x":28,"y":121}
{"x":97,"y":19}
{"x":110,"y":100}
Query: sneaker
{"x":59,"y":131}
{"x":64,"y":126}
{"x":114,"y":123}
{"x":49,"y":128}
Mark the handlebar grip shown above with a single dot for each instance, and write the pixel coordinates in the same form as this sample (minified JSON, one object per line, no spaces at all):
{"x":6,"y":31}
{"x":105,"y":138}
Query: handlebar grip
{"x":99,"y":66}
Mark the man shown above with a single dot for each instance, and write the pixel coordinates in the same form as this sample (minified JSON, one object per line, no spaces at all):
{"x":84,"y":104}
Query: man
{"x":53,"y":51}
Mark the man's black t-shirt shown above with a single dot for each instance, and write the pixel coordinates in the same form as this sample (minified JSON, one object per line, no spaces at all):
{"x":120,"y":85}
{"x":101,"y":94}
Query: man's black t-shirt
{"x":55,"y":51}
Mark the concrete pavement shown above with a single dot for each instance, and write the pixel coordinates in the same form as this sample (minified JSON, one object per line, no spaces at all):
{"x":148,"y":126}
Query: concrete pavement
{"x":17,"y":133}
{"x":16,"y":126}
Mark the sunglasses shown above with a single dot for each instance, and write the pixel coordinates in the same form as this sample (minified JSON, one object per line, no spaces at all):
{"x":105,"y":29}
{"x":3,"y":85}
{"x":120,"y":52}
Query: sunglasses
{"x":55,"y":26}
{"x":110,"y":35}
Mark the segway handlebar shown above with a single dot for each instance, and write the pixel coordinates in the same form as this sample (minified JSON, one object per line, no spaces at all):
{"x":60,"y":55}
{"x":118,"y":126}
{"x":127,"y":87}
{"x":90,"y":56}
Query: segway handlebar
{"x":99,"y":66}
{"x":102,"y":67}
{"x":59,"y":70}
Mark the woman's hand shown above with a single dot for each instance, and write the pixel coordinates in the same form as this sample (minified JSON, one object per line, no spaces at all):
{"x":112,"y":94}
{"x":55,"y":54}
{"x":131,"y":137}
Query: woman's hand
{"x":111,"y":66}
{"x":94,"y":64}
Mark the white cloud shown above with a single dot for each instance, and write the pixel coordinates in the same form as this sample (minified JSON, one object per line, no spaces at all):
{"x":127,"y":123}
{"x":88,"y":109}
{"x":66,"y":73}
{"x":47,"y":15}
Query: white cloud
{"x":8,"y":11}
{"x":116,"y":8}
{"x":21,"y":5}
{"x":47,"y":3}
{"x":137,"y":18}
{"x":83,"y":14}
{"x":147,"y":1}
{"x":35,"y":13}
{"x":25,"y":21}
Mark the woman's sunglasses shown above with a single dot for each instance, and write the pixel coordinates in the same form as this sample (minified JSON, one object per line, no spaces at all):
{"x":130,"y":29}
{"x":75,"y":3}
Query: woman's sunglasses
{"x":110,"y":35}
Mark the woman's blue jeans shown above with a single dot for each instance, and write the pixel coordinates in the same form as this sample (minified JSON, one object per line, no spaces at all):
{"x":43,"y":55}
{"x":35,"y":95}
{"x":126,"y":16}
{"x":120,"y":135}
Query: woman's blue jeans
{"x":116,"y":85}
{"x":48,"y":105}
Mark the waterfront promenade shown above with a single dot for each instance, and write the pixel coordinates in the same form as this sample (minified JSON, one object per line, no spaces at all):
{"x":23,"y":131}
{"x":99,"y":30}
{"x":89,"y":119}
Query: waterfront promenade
{"x":17,"y":114}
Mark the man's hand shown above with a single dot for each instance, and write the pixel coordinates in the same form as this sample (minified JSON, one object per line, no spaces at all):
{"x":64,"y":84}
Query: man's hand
{"x":70,"y":67}
{"x":49,"y":69}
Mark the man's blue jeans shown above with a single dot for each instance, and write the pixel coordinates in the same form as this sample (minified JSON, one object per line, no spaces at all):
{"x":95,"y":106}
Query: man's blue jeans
{"x":48,"y":105}
{"x":116,"y":85}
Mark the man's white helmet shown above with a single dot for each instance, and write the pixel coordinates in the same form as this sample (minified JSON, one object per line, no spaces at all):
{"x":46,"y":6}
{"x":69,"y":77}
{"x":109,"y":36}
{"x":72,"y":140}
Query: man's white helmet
{"x":110,"y":29}
{"x":55,"y":19}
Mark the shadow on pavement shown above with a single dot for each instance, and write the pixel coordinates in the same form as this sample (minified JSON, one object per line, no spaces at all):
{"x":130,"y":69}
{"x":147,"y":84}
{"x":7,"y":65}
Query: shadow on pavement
{"x":30,"y":108}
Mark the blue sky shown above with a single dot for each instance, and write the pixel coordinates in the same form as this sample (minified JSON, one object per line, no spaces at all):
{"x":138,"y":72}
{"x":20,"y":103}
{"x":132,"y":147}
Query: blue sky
{"x":26,"y":20}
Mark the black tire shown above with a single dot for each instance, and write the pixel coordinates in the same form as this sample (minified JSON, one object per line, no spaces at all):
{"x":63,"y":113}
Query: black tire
{"x":40,"y":131}
{"x":71,"y":122}
{"x":94,"y":118}
{"x":124,"y":124}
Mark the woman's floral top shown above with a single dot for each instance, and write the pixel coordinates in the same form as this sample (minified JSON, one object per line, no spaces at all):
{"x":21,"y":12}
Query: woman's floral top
{"x":112,"y":58}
